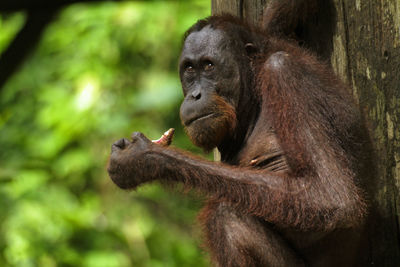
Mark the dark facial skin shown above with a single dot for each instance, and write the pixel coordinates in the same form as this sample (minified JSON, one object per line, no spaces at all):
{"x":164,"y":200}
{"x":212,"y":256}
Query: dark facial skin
{"x":211,"y":85}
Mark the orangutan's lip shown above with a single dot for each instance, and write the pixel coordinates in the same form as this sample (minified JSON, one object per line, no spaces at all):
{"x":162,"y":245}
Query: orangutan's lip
{"x":201,"y":117}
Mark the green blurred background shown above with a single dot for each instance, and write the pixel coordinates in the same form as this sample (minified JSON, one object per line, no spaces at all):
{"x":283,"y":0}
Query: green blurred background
{"x":100,"y":72}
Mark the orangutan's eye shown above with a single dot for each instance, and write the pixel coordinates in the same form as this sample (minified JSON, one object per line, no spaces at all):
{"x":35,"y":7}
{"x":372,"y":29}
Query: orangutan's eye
{"x":208,"y":65}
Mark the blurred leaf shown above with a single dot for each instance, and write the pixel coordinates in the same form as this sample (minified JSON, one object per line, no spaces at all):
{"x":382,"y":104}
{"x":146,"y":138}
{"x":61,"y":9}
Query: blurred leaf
{"x":100,"y":72}
{"x":9,"y":26}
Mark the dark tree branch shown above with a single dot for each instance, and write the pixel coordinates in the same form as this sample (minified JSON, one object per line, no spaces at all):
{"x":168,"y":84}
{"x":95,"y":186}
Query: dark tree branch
{"x":25,"y":41}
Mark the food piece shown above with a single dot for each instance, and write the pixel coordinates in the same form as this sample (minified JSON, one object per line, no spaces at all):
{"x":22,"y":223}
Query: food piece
{"x":166,"y":138}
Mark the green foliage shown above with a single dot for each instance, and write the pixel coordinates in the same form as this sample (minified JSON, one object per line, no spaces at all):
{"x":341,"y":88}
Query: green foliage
{"x":100,"y":72}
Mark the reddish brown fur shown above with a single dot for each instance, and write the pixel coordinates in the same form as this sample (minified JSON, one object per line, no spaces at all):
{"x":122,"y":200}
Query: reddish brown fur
{"x":221,"y":126}
{"x":311,"y":23}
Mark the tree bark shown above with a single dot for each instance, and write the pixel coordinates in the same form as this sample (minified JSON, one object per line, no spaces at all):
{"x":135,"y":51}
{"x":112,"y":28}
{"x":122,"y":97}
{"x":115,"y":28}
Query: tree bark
{"x":251,"y":10}
{"x":366,"y":54}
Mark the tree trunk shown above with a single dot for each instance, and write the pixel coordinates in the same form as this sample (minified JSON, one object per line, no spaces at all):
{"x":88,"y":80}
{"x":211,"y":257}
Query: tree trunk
{"x":366,"y":53}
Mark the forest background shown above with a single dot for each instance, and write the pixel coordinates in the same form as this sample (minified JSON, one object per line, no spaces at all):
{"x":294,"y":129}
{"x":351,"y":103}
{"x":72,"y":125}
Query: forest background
{"x":100,"y":72}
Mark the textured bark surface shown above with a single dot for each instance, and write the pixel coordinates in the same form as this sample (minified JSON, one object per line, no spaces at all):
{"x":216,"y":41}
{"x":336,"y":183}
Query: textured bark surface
{"x":366,"y":53}
{"x":251,"y":10}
